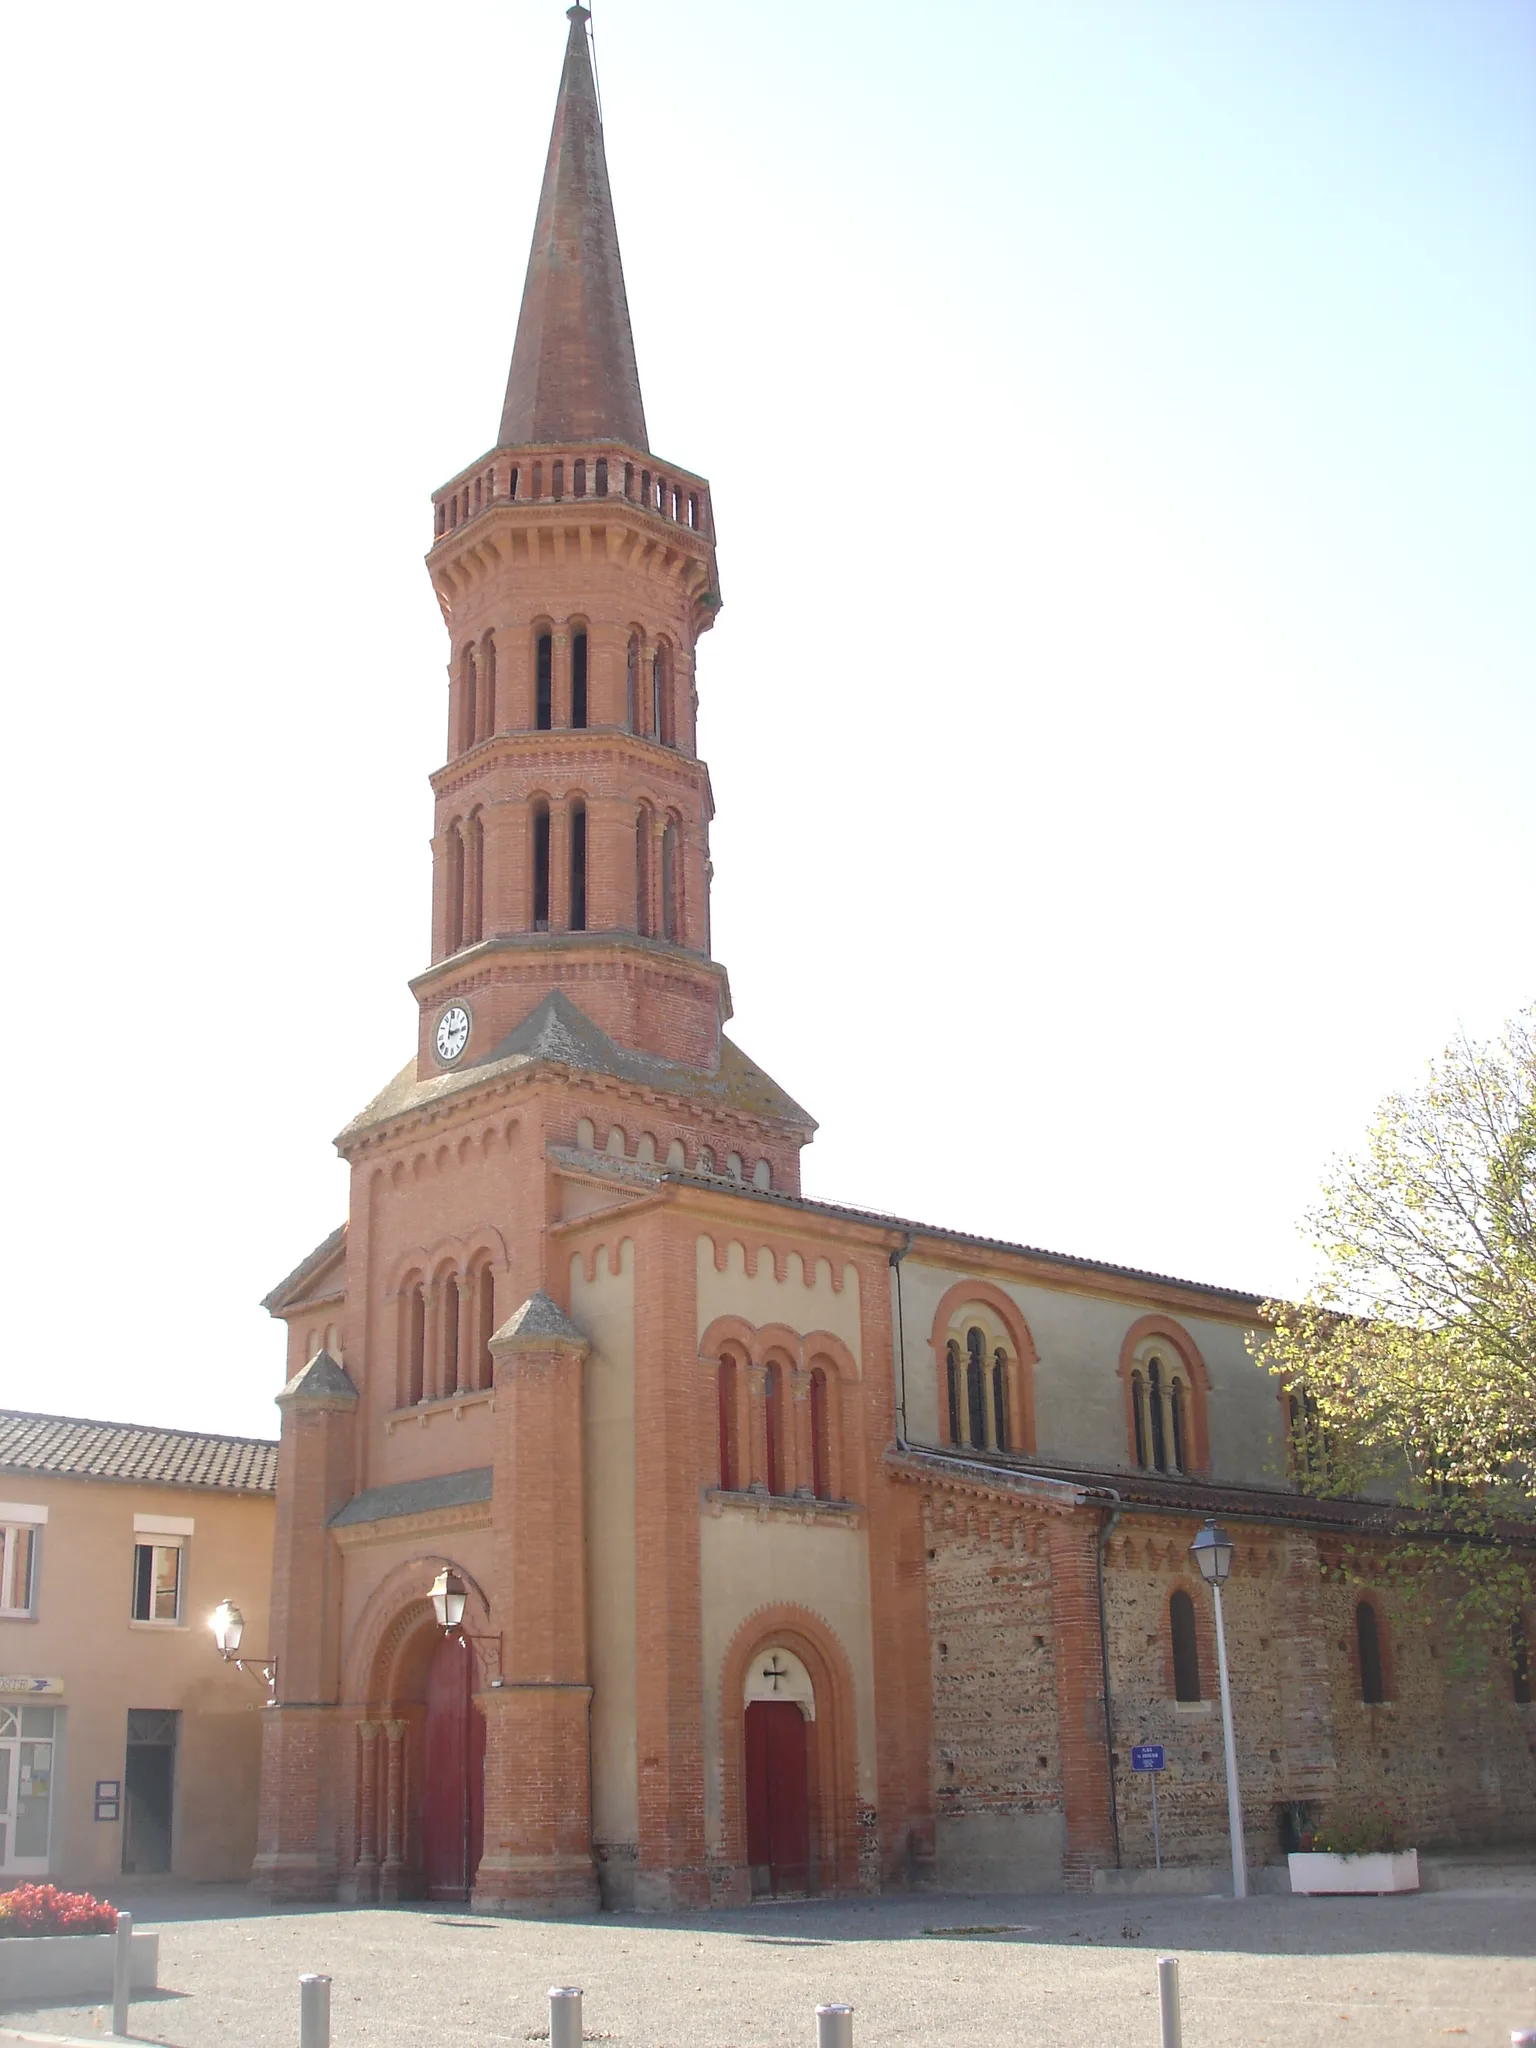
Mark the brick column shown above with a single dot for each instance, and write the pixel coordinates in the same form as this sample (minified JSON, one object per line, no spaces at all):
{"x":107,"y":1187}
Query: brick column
{"x":538,"y":1768}
{"x":366,"y":1874}
{"x":296,"y":1853}
{"x":392,"y":1872}
{"x":1073,"y":1543}
{"x":560,"y":682}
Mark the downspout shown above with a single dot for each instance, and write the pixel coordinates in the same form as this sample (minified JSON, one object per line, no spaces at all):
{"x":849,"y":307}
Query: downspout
{"x":1106,"y":1530}
{"x":901,"y":1348}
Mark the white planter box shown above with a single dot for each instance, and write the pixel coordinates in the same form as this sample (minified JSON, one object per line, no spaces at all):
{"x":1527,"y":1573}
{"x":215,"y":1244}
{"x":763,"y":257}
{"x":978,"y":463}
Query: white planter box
{"x":1316,"y":1872}
{"x":71,"y":1965}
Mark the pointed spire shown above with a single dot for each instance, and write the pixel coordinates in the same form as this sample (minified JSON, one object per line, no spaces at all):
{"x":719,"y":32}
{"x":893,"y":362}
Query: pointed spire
{"x":574,"y":376}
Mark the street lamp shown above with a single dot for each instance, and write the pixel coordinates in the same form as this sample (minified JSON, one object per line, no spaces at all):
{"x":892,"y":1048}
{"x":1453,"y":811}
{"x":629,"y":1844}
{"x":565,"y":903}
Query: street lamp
{"x":228,"y":1625}
{"x":1213,"y":1551}
{"x":448,"y":1594}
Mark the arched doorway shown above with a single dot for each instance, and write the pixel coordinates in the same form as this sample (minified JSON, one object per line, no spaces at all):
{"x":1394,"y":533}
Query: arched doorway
{"x":779,"y":1701}
{"x":453,"y":1804}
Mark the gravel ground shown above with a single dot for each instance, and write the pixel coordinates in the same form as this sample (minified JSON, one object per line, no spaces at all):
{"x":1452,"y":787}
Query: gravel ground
{"x":1060,"y":1973}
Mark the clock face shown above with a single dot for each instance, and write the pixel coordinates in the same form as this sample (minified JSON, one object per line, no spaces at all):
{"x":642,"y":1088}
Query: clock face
{"x":452,"y":1032}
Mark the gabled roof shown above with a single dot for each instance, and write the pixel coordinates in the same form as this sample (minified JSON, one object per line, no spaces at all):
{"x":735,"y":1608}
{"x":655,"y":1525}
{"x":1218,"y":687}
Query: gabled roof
{"x":574,"y":375}
{"x":415,"y":1497}
{"x":70,"y":1447}
{"x":557,"y":1034}
{"x":293,"y":1287}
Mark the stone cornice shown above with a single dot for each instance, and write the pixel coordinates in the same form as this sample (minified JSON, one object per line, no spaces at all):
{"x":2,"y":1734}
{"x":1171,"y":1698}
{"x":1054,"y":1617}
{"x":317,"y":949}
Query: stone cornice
{"x":403,"y":1528}
{"x":575,"y":745}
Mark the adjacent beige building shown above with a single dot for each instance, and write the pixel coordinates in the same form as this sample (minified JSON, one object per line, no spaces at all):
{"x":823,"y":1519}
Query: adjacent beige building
{"x":126,"y":1746}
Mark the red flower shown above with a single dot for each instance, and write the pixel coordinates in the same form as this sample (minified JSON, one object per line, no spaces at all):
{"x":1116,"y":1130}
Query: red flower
{"x":44,"y":1909}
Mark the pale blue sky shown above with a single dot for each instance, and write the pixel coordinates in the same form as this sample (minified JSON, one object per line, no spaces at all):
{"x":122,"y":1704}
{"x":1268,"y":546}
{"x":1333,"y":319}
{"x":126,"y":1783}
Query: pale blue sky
{"x":1122,"y":718}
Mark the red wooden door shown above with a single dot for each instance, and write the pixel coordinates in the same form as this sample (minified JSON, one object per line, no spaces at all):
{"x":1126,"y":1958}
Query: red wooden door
{"x":453,"y":1803}
{"x":778,"y":1798}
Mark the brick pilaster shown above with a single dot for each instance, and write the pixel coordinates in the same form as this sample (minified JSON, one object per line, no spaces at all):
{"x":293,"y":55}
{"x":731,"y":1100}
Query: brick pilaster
{"x":1073,"y":1544}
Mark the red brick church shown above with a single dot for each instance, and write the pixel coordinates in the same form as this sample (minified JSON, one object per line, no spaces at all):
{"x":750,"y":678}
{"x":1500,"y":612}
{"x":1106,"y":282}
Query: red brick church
{"x":801,"y":1548}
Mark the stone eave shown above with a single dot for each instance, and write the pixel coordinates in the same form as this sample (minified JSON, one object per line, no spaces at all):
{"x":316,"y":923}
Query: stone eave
{"x":405,"y":1528}
{"x":960,"y":1475}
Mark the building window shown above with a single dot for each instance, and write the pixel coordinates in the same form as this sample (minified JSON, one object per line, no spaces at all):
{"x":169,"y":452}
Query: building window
{"x":1000,"y":1399}
{"x":821,"y":1463}
{"x":671,"y":854}
{"x":415,"y":1345}
{"x":1186,"y":1650}
{"x":157,"y":1579}
{"x":578,"y":866}
{"x":952,"y":1387}
{"x":643,"y":836}
{"x":18,"y":1567}
{"x":469,"y":723}
{"x":26,"y":1786}
{"x":1368,"y":1639}
{"x":578,"y":679}
{"x":630,"y":705}
{"x":1161,"y":1412}
{"x":1139,"y":1417}
{"x":485,"y":1290}
{"x":726,"y":1388}
{"x":541,"y":867}
{"x":975,"y":1390}
{"x":773,"y":1417}
{"x":544,"y":693}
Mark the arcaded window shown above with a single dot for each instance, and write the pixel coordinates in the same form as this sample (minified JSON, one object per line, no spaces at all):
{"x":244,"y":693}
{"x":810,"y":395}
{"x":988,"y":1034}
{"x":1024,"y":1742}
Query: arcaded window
{"x":975,"y":1389}
{"x":469,"y":708}
{"x":541,"y":867}
{"x":474,"y":881}
{"x":487,"y":708}
{"x":413,"y":1344}
{"x":485,"y":1326}
{"x":643,"y":834}
{"x":773,"y":1420}
{"x":631,"y":705}
{"x":661,"y":709}
{"x":454,"y":934}
{"x":578,"y":679}
{"x":730,"y":1467}
{"x":1000,"y":1400}
{"x":1186,"y":1649}
{"x":448,"y":1336}
{"x":671,"y":892}
{"x":1139,"y":1417}
{"x":984,"y":1397}
{"x":1373,"y":1689}
{"x":952,"y":1382}
{"x":1161,"y":1414}
{"x":544,"y":683}
{"x":821,"y":1446}
{"x":578,"y":866}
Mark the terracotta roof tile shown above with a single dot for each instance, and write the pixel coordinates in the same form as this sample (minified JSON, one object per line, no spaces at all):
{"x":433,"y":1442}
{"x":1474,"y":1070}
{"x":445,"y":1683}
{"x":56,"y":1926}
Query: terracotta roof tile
{"x":70,"y":1447}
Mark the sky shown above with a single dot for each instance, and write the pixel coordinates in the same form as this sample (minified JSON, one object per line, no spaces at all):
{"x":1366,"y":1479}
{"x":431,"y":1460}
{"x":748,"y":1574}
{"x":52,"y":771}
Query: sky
{"x":1122,"y":435}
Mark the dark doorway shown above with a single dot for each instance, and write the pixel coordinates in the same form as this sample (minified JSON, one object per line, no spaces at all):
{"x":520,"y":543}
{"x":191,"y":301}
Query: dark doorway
{"x":149,"y":1785}
{"x":778,"y":1799}
{"x":453,"y":1816}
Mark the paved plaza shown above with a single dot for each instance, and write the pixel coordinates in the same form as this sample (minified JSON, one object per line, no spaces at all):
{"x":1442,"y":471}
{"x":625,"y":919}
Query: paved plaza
{"x":1062,"y":1973}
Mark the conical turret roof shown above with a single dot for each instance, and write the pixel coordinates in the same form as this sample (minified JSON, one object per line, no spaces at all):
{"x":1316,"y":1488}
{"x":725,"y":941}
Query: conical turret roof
{"x":574,"y":375}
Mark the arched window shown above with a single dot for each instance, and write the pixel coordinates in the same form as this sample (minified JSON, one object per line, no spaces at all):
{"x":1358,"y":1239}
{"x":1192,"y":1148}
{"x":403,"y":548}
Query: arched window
{"x":474,"y":881}
{"x":455,"y":931}
{"x":1176,"y":1416}
{"x":952,"y":1387}
{"x":485,"y":1306}
{"x":1186,"y":1650}
{"x":1368,"y":1639}
{"x":643,"y":836}
{"x":469,"y":709}
{"x":1139,"y":1417}
{"x":544,"y":683}
{"x":821,"y":1462}
{"x":660,"y":721}
{"x":578,"y":865}
{"x":578,"y":679}
{"x":670,"y":892}
{"x":1000,"y":1400}
{"x":448,"y":1353}
{"x":541,"y":866}
{"x":414,"y":1344}
{"x":1158,"y":1419}
{"x":773,"y":1431}
{"x":725,"y":1378}
{"x":488,"y":686}
{"x":975,"y":1390}
{"x":631,"y":707}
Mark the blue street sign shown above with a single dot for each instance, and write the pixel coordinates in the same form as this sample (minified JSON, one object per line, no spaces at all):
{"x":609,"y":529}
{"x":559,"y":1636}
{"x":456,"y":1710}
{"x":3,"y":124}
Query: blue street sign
{"x":1148,"y":1756}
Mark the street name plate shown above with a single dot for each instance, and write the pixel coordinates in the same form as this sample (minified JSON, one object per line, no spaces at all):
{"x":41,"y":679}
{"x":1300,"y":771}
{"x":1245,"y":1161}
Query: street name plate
{"x":1148,"y":1756}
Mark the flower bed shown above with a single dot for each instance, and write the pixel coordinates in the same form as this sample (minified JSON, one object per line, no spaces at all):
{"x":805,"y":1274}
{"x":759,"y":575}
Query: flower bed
{"x":57,"y":1944}
{"x":1318,"y":1871}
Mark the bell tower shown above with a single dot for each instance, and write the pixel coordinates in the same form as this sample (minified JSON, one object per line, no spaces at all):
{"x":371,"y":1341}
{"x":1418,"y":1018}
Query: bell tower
{"x":576,"y":574}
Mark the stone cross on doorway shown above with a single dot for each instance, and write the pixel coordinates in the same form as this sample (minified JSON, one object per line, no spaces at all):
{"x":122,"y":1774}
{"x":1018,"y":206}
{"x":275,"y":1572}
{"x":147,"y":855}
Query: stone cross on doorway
{"x":772,"y":1672}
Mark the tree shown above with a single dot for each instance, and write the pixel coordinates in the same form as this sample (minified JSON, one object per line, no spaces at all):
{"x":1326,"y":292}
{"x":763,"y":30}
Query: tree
{"x":1410,"y":1368}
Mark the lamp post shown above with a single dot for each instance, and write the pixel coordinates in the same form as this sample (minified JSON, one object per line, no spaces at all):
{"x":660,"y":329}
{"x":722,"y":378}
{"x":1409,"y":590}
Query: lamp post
{"x":228,"y":1625}
{"x":1213,"y":1550}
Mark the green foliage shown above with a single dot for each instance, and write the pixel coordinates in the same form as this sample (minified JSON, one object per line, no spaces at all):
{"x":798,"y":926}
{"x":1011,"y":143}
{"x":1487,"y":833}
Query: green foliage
{"x":1376,"y":1829}
{"x":1411,"y":1365}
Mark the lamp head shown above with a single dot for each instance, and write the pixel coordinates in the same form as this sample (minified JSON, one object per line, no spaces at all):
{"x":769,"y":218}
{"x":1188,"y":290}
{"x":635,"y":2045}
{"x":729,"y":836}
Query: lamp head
{"x":1213,"y":1551}
{"x":448,"y":1596}
{"x":228,"y":1626}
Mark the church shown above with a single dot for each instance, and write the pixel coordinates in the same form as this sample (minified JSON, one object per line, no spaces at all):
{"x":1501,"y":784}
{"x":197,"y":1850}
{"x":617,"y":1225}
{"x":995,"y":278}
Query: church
{"x":650,"y":1534}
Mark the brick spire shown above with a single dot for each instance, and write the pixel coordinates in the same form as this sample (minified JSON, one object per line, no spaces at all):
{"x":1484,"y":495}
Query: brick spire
{"x":574,"y":376}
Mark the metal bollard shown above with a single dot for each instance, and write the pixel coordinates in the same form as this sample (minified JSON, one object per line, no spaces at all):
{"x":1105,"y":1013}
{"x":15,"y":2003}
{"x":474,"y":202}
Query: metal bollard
{"x":834,"y":2026}
{"x":564,"y":2017}
{"x":122,"y":1972}
{"x":314,"y":2012}
{"x":1168,"y":2001}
